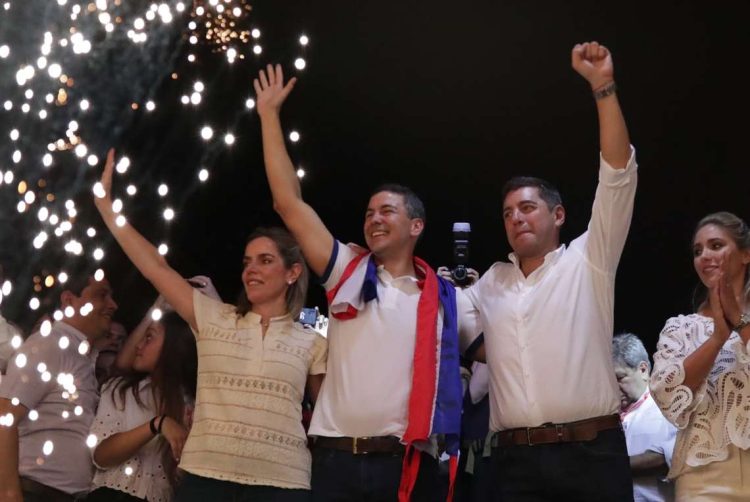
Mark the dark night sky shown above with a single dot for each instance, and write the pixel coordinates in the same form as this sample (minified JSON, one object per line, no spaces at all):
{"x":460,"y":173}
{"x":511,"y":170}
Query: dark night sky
{"x":454,"y":98}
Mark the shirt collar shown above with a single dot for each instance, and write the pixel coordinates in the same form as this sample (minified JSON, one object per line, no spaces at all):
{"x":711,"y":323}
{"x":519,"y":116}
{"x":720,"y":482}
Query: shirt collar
{"x":386,"y":276}
{"x":549,"y":259}
{"x":256,"y":318}
{"x":637,"y":404}
{"x":77,"y":337}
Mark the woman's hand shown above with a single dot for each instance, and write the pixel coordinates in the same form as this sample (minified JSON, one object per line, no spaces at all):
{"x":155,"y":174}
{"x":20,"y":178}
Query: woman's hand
{"x":730,"y":304}
{"x":175,"y":434}
{"x":721,"y":328}
{"x":103,"y":189}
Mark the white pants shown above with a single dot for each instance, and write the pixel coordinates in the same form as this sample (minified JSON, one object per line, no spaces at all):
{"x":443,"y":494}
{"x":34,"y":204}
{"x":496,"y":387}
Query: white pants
{"x":728,"y":480}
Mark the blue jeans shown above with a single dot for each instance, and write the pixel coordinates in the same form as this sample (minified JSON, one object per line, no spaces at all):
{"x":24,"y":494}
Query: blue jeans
{"x":584,"y":471}
{"x":339,"y":476}
{"x":194,"y":488}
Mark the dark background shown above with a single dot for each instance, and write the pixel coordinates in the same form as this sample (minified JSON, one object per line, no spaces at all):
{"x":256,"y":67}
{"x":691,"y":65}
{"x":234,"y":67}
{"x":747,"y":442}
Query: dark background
{"x":452,"y":99}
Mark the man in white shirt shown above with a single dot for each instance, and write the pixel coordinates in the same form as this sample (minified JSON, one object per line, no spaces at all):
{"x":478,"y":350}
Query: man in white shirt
{"x":548,"y":319}
{"x":8,"y":332}
{"x":649,"y":436}
{"x":48,"y":400}
{"x":365,"y":410}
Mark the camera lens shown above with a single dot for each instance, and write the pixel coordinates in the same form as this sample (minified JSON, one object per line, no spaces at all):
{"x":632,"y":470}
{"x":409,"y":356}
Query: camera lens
{"x":459,"y":273}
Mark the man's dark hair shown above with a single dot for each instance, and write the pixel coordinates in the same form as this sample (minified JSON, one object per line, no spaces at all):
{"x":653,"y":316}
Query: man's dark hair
{"x":414,"y":205}
{"x":547,"y":191}
{"x":77,"y":284}
{"x":79,"y":273}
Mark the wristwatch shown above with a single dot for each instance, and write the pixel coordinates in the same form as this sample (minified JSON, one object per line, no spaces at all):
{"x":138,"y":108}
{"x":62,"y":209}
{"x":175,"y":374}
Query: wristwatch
{"x":744,"y":321}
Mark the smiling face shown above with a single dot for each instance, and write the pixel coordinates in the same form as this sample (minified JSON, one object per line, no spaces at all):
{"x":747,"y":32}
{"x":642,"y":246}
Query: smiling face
{"x":264,"y":274}
{"x":388,"y":228}
{"x":532,"y":227}
{"x":101,"y":307}
{"x":148,"y":350}
{"x":715,"y":250}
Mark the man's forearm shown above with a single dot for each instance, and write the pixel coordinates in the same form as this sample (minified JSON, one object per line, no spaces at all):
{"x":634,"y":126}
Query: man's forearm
{"x":280,"y":171}
{"x":647,"y":461}
{"x":10,"y":485}
{"x":614,"y":139}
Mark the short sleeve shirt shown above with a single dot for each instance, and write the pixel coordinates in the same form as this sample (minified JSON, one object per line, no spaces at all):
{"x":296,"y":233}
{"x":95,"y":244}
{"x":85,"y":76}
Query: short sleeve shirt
{"x":53,"y":376}
{"x":247,"y":426}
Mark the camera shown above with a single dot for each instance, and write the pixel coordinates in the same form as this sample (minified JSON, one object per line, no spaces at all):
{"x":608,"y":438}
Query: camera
{"x":459,"y":273}
{"x":308,"y":316}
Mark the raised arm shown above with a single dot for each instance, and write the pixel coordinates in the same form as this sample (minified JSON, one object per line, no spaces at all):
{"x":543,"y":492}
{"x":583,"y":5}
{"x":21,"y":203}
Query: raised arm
{"x":126,"y":355}
{"x":594,"y":63}
{"x":175,"y":289}
{"x":298,"y":216}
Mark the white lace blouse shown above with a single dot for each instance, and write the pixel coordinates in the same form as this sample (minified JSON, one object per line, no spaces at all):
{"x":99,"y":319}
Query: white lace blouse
{"x":142,"y":475}
{"x":718,"y":414}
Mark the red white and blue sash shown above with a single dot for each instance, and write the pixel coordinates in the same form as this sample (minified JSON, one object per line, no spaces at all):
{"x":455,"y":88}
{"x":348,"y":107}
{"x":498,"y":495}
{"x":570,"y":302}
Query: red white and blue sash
{"x":435,"y":399}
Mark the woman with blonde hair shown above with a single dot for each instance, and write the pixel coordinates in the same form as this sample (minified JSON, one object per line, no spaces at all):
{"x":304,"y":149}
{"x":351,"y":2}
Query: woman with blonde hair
{"x":254,"y":362}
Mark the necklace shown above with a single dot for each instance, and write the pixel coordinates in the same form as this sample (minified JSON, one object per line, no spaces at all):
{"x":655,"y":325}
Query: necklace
{"x":264,"y":323}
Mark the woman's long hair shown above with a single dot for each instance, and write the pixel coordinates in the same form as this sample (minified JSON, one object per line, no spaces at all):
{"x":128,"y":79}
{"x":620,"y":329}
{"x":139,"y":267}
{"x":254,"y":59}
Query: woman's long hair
{"x":739,"y":233}
{"x":173,"y":380}
{"x":290,"y":253}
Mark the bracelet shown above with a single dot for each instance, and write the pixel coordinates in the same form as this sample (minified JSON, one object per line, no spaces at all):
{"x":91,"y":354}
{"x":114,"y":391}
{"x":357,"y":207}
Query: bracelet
{"x":161,"y":422}
{"x":605,"y":90}
{"x":152,"y":426}
{"x":744,"y":321}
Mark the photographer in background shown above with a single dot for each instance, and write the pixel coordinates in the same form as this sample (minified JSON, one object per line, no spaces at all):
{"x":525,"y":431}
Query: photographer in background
{"x":474,"y":459}
{"x":459,"y":275}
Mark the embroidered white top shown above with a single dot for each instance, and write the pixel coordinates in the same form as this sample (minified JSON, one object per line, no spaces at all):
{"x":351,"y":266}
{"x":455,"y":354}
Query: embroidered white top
{"x":247,"y":426}
{"x":143,"y":474}
{"x":715,"y":416}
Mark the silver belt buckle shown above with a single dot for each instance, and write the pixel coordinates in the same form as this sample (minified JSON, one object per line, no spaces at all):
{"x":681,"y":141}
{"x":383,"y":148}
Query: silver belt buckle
{"x":559,"y":429}
{"x":355,"y":451}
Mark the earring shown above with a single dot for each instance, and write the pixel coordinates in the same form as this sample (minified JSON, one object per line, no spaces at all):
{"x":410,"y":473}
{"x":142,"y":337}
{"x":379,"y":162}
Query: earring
{"x":290,"y":282}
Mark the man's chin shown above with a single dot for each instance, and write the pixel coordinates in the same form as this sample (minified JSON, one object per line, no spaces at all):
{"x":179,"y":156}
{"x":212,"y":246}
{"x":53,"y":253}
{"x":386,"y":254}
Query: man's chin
{"x":377,"y":248}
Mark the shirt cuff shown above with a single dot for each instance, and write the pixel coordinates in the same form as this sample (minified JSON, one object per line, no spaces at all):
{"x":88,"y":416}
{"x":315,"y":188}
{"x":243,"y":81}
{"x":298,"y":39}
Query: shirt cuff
{"x":608,"y":175}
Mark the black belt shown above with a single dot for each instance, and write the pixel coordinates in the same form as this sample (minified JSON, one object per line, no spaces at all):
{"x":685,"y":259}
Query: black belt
{"x":362,"y":445}
{"x":581,"y":430}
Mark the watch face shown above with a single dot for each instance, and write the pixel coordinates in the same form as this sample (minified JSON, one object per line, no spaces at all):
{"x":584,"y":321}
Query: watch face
{"x":744,"y":321}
